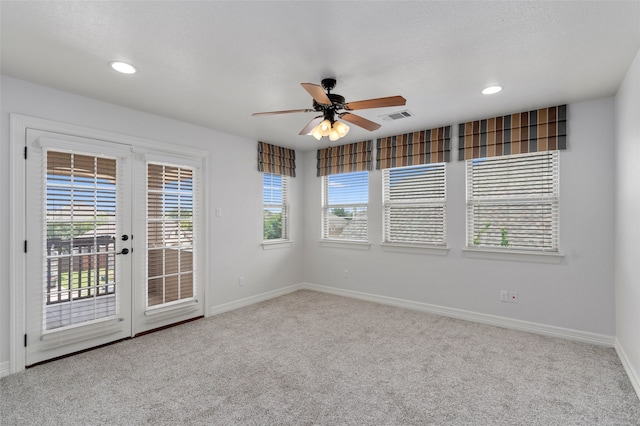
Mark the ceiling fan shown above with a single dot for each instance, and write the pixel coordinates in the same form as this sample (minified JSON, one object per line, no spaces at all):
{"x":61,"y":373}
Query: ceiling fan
{"x":333,"y":106}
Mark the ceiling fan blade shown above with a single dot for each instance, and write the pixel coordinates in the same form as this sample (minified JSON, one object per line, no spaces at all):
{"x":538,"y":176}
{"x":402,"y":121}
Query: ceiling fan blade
{"x":377,"y":103}
{"x":360,"y":121}
{"x":313,"y":123}
{"x":282,"y":112}
{"x":317,"y":92}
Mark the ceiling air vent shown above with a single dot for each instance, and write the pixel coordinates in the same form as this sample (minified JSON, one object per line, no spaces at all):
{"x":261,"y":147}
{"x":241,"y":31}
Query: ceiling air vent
{"x":396,"y":115}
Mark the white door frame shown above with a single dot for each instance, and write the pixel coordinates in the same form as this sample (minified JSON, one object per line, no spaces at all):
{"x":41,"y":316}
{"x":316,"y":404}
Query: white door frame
{"x":17,"y":224}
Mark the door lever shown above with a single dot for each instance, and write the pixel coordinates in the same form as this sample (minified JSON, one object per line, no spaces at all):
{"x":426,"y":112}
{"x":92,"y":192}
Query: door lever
{"x":124,"y":251}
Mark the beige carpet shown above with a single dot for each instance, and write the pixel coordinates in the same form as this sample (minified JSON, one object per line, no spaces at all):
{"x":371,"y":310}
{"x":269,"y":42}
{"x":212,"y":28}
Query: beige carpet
{"x":310,"y":358}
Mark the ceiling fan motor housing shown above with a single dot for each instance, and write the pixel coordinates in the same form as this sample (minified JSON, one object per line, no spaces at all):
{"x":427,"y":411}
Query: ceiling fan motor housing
{"x":328,"y":84}
{"x":329,"y":111}
{"x":337,"y":102}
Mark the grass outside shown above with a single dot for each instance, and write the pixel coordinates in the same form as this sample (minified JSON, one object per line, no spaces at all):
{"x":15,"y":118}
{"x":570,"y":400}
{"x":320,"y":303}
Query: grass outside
{"x":84,"y":279}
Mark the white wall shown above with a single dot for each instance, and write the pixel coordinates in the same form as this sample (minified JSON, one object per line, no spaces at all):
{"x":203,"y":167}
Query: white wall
{"x":576,"y":294}
{"x":627,"y":215}
{"x":234,"y":185}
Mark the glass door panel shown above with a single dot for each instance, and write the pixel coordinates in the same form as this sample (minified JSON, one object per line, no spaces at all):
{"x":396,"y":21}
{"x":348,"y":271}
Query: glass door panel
{"x":81,"y":228}
{"x":169,"y":234}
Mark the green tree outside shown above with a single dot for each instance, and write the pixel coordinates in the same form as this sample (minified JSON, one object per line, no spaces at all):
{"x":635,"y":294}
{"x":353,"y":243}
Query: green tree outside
{"x":272,"y":226}
{"x":341,"y":212}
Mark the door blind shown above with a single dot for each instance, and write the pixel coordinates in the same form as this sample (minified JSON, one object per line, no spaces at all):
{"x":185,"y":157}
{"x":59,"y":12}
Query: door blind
{"x":170,"y":231}
{"x":80,"y":222}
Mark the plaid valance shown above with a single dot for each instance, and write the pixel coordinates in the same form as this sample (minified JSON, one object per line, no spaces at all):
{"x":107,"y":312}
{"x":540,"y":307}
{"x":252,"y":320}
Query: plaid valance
{"x":353,"y":157}
{"x":277,"y":160}
{"x":539,"y":130}
{"x":412,"y":149}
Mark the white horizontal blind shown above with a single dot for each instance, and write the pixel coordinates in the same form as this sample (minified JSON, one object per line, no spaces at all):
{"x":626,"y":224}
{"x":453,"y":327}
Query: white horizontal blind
{"x":79,"y":261}
{"x":345,"y":198}
{"x":172,"y":212}
{"x":512,"y":202}
{"x":414,"y":203}
{"x":275,"y":207}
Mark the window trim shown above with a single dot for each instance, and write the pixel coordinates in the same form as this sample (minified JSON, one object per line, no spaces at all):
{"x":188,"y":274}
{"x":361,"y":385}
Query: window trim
{"x":276,"y":244}
{"x":514,"y":255}
{"x":415,"y":248}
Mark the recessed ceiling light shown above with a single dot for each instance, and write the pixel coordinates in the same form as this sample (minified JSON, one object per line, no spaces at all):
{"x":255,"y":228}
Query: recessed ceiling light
{"x":491,"y":90}
{"x":123,"y":67}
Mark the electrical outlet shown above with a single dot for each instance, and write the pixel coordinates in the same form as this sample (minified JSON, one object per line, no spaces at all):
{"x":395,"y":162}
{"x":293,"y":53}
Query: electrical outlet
{"x":241,"y":281}
{"x":504,"y":296}
{"x":346,"y":273}
{"x":513,"y":296}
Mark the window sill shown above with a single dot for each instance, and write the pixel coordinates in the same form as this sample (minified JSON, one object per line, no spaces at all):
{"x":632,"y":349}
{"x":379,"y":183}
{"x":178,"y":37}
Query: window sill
{"x":271,"y":245}
{"x":355,"y":245}
{"x":415,"y":248}
{"x":518,"y":256}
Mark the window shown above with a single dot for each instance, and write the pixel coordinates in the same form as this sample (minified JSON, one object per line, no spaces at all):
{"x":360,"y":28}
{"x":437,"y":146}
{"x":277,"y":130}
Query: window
{"x":414,"y":204}
{"x":512,"y":202}
{"x":344,"y":206}
{"x":275,"y":209}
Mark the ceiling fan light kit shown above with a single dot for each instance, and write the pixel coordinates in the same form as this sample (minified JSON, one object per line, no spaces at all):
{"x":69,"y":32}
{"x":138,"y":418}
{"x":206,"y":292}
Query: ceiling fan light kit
{"x":332,"y":105}
{"x":335,"y":130}
{"x":341,"y":128}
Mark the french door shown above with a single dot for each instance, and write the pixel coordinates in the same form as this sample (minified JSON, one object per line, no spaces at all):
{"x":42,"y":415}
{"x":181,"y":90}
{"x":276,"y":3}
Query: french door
{"x":111,"y":247}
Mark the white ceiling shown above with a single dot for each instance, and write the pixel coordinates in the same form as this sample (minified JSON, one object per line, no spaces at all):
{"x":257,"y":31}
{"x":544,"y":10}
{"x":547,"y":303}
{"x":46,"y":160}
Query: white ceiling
{"x":213,"y":63}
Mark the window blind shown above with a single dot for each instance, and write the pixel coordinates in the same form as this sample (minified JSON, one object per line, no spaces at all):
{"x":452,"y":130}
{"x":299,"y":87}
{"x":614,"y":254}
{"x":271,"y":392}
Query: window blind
{"x":512,"y":202}
{"x":414,"y":203}
{"x":345,"y":199}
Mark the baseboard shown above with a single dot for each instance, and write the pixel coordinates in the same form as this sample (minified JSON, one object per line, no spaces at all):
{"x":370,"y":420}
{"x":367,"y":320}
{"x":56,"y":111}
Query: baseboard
{"x":4,"y":369}
{"x":241,"y":303}
{"x":628,"y":367}
{"x":514,"y":324}
{"x":531,"y":327}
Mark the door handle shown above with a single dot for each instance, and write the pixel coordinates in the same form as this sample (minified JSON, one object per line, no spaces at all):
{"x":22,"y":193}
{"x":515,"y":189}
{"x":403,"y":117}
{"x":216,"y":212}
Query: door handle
{"x":124,"y":251}
{"x":125,"y":237}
